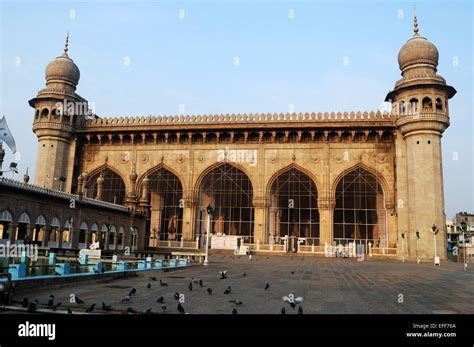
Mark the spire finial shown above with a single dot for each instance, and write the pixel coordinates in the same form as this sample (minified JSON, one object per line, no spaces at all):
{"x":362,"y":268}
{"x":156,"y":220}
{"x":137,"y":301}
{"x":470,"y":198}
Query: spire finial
{"x":67,"y":43}
{"x":415,"y":28}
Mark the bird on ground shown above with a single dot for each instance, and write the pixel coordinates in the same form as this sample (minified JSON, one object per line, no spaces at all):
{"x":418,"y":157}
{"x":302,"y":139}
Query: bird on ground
{"x":153,"y":278}
{"x":32,"y":306}
{"x":163,"y":308}
{"x":25,"y":302}
{"x":228,"y":290}
{"x":91,"y":308}
{"x":69,"y":311}
{"x":209,"y":291}
{"x":160,"y":300}
{"x":194,"y":280}
{"x":126,"y":299}
{"x":190,"y":286}
{"x":201,"y":283}
{"x":148,"y":286}
{"x":283,"y":311}
{"x":267,"y":286}
{"x":176,"y":296}
{"x":180,"y":308}
{"x":292,"y":301}
{"x":133,"y":291}
{"x":223,"y":275}
{"x":293,"y":272}
{"x":236,"y":301}
{"x":244,"y":274}
{"x":106,"y":307}
{"x":96,"y":271}
{"x":147,"y":311}
{"x":300,"y":310}
{"x":130,"y":310}
{"x":78,"y":301}
{"x":163,"y":284}
{"x":51,"y":300}
{"x":234,"y":311}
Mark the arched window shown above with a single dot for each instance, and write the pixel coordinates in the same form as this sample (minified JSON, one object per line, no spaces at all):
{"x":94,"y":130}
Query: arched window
{"x":427,"y":104}
{"x":413,"y":105}
{"x":44,"y":113}
{"x":359,"y":214}
{"x":293,"y":210}
{"x":82,"y":233}
{"x":439,"y":104}
{"x":228,"y":190}
{"x":54,"y":231}
{"x":5,"y":222}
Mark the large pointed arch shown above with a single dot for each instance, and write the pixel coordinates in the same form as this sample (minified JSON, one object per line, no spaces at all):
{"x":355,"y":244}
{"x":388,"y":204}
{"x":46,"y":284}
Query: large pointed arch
{"x":293,"y":208}
{"x":165,"y":197}
{"x":360,"y":215}
{"x":287,"y":168}
{"x":113,"y":187}
{"x":228,"y":189}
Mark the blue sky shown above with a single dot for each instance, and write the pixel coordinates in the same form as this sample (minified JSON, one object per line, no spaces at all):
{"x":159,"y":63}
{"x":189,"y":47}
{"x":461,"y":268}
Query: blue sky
{"x":190,"y":61}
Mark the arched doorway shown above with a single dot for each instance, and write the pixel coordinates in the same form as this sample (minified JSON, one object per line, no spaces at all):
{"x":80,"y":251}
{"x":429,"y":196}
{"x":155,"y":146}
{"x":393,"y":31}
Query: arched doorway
{"x":166,"y":208}
{"x":359,"y":214}
{"x":23,"y":226}
{"x":229,"y":191}
{"x":39,"y":230}
{"x":111,"y":190}
{"x":293,"y":210}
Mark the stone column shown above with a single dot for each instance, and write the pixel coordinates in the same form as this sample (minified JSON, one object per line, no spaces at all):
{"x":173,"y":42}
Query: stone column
{"x":12,"y":231}
{"x":189,"y":211}
{"x":80,"y":181}
{"x":260,"y":205}
{"x":326,"y":220}
{"x":131,"y":200}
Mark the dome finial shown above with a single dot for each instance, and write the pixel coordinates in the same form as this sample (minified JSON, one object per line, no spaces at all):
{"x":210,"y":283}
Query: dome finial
{"x":67,"y":43}
{"x":415,"y":28}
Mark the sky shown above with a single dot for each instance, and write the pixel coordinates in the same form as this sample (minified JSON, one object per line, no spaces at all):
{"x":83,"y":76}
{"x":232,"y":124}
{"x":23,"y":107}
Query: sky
{"x":201,"y":57}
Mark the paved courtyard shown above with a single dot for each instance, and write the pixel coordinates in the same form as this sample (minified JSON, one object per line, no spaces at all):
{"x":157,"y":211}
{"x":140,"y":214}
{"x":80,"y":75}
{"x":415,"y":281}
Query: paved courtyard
{"x":327,"y":286}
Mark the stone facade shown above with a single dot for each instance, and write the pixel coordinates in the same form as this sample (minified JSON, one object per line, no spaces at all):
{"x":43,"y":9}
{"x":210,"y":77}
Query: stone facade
{"x":400,"y":150}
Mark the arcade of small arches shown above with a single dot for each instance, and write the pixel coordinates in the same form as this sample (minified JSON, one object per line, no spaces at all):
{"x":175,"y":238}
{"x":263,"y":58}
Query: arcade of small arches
{"x":229,"y":136}
{"x":410,"y":105}
{"x":50,"y":232}
{"x":290,"y":207}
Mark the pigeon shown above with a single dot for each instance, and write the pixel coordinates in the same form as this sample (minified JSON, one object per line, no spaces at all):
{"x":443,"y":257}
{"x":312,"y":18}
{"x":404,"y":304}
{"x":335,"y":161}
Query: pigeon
{"x":294,"y":301}
{"x":228,"y":290}
{"x":106,"y":307}
{"x":201,"y":283}
{"x":25,"y":302}
{"x":209,"y":291}
{"x":126,"y":299}
{"x":283,"y":311}
{"x":293,"y":272}
{"x":148,"y":285}
{"x":223,"y":275}
{"x":234,"y":311}
{"x":78,"y":301}
{"x":147,"y":311}
{"x":194,"y":280}
{"x":130,"y":310}
{"x":236,"y":301}
{"x":133,"y":291}
{"x":163,"y":308}
{"x":190,"y":286}
{"x":153,"y":278}
{"x":32,"y":306}
{"x":96,"y":271}
{"x":300,"y":310}
{"x":51,"y":300}
{"x":160,"y":300}
{"x":267,"y":286}
{"x":163,"y":284}
{"x":244,"y":274}
{"x":180,"y":308}
{"x":69,"y":311}
{"x":176,"y":296}
{"x":91,"y":308}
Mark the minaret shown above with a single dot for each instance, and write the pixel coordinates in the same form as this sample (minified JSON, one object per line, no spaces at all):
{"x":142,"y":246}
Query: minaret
{"x":58,"y":111}
{"x":420,"y":103}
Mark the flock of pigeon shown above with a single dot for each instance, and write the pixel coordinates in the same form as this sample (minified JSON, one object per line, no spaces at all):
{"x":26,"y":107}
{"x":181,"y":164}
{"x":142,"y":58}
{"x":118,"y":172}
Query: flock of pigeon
{"x":32,"y":306}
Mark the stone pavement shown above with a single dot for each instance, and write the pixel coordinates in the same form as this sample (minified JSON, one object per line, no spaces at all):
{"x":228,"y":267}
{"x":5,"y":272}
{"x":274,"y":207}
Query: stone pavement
{"x":327,"y":285}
